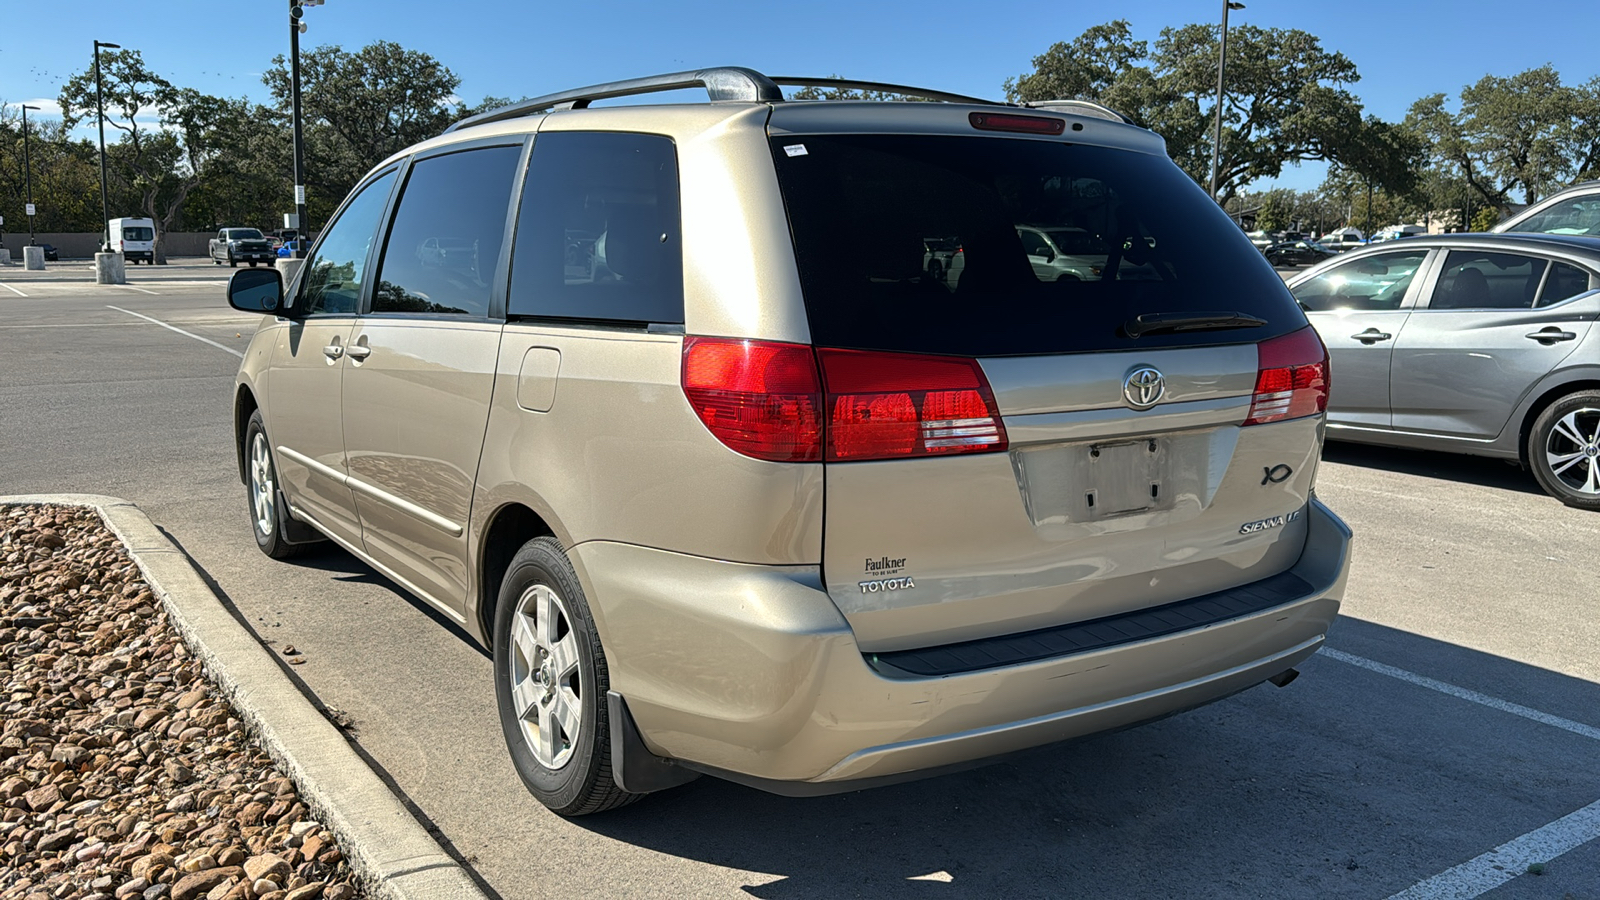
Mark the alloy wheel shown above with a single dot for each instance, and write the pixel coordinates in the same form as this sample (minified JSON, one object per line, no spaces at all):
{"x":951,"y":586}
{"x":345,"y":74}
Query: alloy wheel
{"x":1572,"y":450}
{"x":263,"y":488}
{"x":546,"y":680}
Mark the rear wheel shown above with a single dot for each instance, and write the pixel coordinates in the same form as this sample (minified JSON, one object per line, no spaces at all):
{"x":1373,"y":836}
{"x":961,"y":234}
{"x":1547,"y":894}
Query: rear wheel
{"x":550,"y":684}
{"x":1564,"y":449}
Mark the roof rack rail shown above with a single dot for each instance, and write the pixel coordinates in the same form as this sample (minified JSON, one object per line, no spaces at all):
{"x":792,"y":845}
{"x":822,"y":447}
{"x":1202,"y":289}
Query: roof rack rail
{"x":1084,"y":107}
{"x":722,"y":84}
{"x":879,"y":86}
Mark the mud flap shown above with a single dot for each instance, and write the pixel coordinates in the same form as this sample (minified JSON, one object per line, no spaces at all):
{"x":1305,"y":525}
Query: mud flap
{"x":634,"y":768}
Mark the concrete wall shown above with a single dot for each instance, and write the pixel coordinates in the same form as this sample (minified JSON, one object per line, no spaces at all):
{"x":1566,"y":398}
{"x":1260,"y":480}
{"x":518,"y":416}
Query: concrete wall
{"x":83,"y":246}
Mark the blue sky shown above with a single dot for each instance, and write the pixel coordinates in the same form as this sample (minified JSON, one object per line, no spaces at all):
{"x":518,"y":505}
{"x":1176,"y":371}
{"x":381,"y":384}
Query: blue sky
{"x":1404,"y":49}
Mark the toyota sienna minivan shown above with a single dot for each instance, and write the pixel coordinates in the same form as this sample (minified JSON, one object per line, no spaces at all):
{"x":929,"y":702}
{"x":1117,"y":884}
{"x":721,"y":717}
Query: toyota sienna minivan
{"x":730,"y":483}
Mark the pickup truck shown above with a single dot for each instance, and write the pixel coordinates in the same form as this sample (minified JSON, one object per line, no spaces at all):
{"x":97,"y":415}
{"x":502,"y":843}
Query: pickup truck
{"x":237,"y":245}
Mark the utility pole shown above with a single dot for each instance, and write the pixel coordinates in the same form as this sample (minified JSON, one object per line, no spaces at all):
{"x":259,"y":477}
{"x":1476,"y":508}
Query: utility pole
{"x":27,"y":165}
{"x":1222,"y":68}
{"x":100,"y":111}
{"x":296,"y":28}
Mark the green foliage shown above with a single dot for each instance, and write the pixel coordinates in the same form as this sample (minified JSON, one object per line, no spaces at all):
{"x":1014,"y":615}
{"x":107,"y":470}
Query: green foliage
{"x":1485,"y":219}
{"x":816,"y":92}
{"x":66,"y":177}
{"x":1286,"y":100}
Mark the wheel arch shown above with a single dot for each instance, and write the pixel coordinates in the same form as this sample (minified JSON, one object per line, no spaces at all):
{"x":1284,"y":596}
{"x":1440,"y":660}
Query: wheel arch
{"x":1547,"y":394}
{"x":505,"y":530}
{"x":244,"y":405}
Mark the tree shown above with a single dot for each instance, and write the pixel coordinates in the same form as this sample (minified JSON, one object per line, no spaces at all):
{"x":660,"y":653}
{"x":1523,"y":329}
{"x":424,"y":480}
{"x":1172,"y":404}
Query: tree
{"x":360,"y":108}
{"x":160,"y":165}
{"x":1083,"y":68}
{"x":1524,"y":134}
{"x":66,"y":186}
{"x":816,"y":92}
{"x":1286,"y":100}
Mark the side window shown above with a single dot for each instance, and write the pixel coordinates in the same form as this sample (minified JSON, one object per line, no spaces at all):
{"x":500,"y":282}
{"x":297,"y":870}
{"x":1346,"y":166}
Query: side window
{"x":331,"y":285}
{"x":1033,"y":244}
{"x":1479,"y":279}
{"x":598,"y":234}
{"x":1580,"y":215}
{"x":448,"y":232}
{"x":1372,"y":282}
{"x":1564,"y":281}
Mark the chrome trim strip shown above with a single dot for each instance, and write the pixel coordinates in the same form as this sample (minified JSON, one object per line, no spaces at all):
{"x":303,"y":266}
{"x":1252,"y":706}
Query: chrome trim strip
{"x":1339,"y":426}
{"x":405,"y":506}
{"x":313,"y":465}
{"x":382,"y":496}
{"x":387,"y":572}
{"x":1119,"y":420}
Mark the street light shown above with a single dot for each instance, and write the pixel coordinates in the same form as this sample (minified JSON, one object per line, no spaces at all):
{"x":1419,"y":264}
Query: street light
{"x":27,"y":165}
{"x":297,"y":28}
{"x":100,"y":114}
{"x":1222,"y":66}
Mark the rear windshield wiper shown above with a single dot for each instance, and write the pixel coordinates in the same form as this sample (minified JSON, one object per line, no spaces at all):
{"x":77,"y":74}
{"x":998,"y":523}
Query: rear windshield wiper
{"x":1153,"y":323}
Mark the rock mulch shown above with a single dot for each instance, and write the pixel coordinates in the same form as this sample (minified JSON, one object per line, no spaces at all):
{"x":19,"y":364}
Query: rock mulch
{"x":123,"y":772}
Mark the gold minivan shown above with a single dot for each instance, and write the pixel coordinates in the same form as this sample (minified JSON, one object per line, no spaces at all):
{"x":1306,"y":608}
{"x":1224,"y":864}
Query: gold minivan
{"x":663,"y":404}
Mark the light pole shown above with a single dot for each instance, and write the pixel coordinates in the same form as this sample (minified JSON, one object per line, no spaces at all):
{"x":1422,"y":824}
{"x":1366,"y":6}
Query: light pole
{"x":100,"y":115}
{"x":27,"y":166}
{"x":297,"y":28}
{"x":1222,"y":67}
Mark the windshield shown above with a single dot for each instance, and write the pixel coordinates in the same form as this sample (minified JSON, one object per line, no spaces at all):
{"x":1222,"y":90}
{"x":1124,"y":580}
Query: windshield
{"x":244,"y":234}
{"x":1059,"y":246}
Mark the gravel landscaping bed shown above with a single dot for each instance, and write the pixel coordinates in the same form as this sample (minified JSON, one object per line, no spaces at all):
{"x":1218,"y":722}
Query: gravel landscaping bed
{"x":123,"y":772}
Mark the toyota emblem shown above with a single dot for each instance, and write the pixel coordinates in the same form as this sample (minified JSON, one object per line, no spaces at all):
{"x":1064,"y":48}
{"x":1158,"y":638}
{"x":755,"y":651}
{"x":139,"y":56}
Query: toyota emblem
{"x":1144,"y":387}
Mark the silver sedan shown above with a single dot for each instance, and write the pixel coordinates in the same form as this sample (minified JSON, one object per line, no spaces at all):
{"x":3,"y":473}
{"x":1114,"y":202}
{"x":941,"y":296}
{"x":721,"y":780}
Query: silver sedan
{"x":1472,"y":343}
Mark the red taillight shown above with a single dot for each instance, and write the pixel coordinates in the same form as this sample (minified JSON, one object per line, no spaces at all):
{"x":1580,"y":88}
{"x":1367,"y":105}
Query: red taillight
{"x":760,"y":398}
{"x":1024,"y":124}
{"x":1291,"y":378}
{"x":893,"y":405}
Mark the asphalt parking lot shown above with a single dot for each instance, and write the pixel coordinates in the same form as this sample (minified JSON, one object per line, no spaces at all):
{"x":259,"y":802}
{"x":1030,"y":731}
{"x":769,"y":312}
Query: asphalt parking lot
{"x":1447,"y":740}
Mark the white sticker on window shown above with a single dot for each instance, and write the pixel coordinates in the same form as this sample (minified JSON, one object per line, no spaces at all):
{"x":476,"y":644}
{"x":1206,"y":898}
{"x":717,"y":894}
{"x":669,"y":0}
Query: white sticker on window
{"x":795,"y":149}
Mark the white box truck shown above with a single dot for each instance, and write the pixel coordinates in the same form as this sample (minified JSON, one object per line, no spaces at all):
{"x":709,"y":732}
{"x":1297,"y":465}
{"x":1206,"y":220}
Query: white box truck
{"x":135,"y":239}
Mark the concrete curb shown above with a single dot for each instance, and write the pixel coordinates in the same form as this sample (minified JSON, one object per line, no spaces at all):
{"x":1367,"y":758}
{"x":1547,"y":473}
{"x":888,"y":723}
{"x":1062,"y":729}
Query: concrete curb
{"x":391,"y":853}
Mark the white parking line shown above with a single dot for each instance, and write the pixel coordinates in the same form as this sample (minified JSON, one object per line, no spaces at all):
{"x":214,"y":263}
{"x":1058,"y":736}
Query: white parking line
{"x":13,"y":290}
{"x":1484,"y":873}
{"x":1588,"y":731}
{"x":1478,"y":876}
{"x":197,"y":337}
{"x":139,"y":289}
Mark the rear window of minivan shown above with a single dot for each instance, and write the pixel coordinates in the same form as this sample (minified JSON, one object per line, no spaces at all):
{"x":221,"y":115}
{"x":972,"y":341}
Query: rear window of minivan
{"x":1133,"y":235}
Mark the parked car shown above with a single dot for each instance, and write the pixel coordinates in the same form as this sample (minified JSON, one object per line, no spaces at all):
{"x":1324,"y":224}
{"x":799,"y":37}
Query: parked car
{"x":943,"y":258}
{"x":1297,"y":253}
{"x":1479,"y":344}
{"x":237,"y":245}
{"x":50,"y":253}
{"x":1340,"y":241}
{"x":1062,"y":253}
{"x":134,"y":238}
{"x":1575,"y":210}
{"x":1398,"y":232}
{"x":728,"y":485}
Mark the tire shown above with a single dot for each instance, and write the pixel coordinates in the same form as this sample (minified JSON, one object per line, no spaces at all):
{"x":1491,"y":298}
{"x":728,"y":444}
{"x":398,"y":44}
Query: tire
{"x":268,"y":511}
{"x":530,"y":657}
{"x":936,"y":271}
{"x":252,"y":264}
{"x":1564,"y":452}
{"x":232,"y":263}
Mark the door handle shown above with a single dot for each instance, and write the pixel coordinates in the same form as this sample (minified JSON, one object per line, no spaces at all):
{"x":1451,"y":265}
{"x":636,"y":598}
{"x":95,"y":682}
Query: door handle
{"x":1549,"y":336}
{"x":1372,"y":336}
{"x":359,"y":350}
{"x":333,"y":351}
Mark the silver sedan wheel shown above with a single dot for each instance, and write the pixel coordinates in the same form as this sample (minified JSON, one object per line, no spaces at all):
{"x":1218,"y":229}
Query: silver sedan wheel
{"x":1573,"y":450}
{"x":263,"y":489}
{"x":546,"y":683}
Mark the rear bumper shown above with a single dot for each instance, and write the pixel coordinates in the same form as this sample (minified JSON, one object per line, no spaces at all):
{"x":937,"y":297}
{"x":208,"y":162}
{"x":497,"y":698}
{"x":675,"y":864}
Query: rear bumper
{"x":751,"y":673}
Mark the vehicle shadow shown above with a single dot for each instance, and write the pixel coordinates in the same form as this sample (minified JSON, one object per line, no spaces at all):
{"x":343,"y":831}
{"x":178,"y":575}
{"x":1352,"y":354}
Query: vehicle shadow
{"x":1479,"y":470}
{"x":345,"y":568}
{"x":1349,"y":783}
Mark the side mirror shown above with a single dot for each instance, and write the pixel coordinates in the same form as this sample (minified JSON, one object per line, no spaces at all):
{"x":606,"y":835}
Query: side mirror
{"x":256,"y":290}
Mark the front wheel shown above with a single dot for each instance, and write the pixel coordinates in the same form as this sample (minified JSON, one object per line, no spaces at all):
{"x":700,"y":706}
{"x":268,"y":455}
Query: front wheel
{"x":550,"y":684}
{"x":267,"y":510}
{"x":1564,"y":449}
